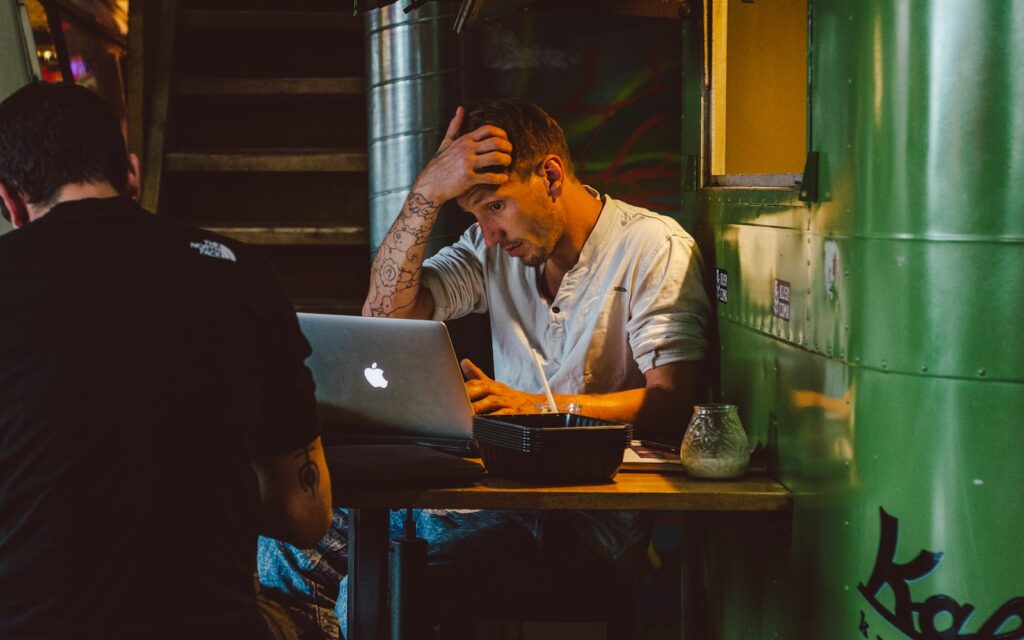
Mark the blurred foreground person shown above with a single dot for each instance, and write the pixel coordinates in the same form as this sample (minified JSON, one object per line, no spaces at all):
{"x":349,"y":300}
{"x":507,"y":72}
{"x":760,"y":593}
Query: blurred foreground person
{"x":155,"y":412}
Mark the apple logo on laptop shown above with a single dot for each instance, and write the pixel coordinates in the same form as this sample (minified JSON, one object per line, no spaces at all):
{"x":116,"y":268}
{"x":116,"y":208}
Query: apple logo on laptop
{"x":375,"y":376}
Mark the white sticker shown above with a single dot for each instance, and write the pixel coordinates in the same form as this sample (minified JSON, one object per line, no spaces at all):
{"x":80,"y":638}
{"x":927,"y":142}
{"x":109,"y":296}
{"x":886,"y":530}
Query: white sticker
{"x":831,"y":267}
{"x":722,"y":285}
{"x":781,"y":299}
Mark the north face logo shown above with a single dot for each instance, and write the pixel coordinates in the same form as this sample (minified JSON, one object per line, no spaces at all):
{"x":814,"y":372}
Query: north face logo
{"x":213,"y":249}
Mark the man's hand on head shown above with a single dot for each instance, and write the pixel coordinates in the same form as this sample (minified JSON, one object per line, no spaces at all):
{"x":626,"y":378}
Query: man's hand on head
{"x":490,"y":396}
{"x":460,"y":161}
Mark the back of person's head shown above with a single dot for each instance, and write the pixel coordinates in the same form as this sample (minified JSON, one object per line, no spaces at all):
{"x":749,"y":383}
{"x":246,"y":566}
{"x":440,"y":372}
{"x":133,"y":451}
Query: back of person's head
{"x":532,"y":132}
{"x":53,"y":135}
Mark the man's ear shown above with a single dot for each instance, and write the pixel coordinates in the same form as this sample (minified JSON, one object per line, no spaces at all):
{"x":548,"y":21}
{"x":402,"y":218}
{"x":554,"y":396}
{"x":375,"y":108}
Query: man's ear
{"x":554,"y":175}
{"x":14,"y":201}
{"x":133,"y":186}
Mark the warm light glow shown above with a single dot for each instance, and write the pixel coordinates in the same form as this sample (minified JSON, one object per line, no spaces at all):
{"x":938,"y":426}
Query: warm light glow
{"x":719,"y":84}
{"x":758,"y":87}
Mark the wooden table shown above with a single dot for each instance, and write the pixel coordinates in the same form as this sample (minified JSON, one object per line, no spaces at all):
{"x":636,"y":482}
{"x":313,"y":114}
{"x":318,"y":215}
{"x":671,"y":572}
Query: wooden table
{"x":638,"y":491}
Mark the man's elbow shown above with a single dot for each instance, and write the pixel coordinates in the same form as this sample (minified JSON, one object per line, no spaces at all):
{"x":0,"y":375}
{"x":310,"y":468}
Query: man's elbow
{"x":662,"y":412}
{"x":295,"y":495}
{"x":313,"y":530}
{"x":304,"y":528}
{"x":420,"y":307}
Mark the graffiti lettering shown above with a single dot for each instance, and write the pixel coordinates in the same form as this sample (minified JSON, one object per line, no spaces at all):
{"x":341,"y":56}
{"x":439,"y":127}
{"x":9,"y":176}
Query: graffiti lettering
{"x":864,"y":626}
{"x":889,"y":573}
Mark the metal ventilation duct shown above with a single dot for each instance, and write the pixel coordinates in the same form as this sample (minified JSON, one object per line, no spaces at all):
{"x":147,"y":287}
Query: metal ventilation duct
{"x":413,"y":87}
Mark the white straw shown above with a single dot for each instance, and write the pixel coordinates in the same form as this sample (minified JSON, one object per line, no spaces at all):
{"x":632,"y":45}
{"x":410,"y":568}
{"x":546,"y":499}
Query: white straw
{"x":544,"y":380}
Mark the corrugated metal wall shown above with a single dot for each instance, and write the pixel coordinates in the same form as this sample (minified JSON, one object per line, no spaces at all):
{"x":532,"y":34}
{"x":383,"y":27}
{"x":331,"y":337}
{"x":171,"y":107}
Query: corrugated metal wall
{"x":897,"y":382}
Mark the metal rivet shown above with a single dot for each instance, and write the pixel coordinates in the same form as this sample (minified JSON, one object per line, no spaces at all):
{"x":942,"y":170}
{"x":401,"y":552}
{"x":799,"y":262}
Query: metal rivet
{"x":982,"y":372}
{"x":924,"y":369}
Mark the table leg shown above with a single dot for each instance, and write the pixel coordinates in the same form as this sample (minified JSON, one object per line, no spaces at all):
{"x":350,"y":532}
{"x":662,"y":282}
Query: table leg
{"x":368,"y":531}
{"x":694,"y":600}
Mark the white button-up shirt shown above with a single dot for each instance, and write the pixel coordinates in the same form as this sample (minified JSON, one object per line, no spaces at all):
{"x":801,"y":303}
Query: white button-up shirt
{"x":634,"y":300}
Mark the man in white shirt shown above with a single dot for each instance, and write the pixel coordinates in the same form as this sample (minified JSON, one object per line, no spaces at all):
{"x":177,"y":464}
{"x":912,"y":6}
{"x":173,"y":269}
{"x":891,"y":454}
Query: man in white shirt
{"x":611,"y":296}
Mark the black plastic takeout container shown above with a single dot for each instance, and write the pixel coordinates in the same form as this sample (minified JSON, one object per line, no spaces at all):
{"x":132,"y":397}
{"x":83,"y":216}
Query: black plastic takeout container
{"x":551,"y":448}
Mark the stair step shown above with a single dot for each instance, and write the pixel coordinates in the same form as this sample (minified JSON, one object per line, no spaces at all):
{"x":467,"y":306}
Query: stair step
{"x":343,"y":307}
{"x":339,"y":236}
{"x":269,"y":86}
{"x":270,"y":19}
{"x":288,"y":160}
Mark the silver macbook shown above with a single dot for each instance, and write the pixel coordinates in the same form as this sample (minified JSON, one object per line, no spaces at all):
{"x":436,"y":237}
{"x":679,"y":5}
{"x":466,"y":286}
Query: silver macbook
{"x":387,"y":380}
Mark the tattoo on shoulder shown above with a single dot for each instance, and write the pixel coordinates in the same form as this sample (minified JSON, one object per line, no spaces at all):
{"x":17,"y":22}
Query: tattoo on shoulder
{"x":309,"y":474}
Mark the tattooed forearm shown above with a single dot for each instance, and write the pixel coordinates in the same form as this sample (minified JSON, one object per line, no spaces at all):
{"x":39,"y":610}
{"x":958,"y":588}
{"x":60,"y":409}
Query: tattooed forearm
{"x":395,"y":279}
{"x":419,"y":206}
{"x":309,"y":474}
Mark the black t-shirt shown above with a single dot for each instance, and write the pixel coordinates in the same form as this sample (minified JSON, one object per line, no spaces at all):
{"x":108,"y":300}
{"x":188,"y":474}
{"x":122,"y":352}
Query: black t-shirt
{"x":143,"y":365}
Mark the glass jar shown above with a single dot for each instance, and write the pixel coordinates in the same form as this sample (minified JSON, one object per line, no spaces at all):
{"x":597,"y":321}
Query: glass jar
{"x":715,"y":444}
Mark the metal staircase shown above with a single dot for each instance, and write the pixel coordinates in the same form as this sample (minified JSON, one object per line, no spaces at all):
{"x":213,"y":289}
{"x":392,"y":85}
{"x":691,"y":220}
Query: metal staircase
{"x":251,"y":122}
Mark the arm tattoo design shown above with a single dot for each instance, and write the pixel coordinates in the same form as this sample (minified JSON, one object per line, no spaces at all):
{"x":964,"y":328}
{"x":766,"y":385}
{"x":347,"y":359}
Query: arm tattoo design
{"x":397,"y":267}
{"x":309,"y":475}
{"x":419,"y":206}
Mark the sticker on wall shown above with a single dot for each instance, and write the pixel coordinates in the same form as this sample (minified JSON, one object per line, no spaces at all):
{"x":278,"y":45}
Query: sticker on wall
{"x":831,"y":268}
{"x":780,"y":299}
{"x":937,"y":617}
{"x":722,"y":285}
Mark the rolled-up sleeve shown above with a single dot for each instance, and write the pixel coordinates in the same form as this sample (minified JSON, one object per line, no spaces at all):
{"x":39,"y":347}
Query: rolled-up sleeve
{"x":455,"y":277}
{"x":669,"y":311}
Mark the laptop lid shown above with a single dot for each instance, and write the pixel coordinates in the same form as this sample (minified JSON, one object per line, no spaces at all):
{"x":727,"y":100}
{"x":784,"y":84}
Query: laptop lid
{"x":386,"y":377}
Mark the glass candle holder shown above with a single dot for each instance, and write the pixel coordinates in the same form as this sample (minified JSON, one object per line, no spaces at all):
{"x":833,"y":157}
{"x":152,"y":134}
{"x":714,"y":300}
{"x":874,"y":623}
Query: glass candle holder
{"x":715,"y":444}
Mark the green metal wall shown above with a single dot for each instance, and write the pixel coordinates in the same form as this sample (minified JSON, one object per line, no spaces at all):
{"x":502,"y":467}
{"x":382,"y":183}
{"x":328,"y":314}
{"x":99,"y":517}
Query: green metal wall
{"x":17,"y":68}
{"x":897,"y":383}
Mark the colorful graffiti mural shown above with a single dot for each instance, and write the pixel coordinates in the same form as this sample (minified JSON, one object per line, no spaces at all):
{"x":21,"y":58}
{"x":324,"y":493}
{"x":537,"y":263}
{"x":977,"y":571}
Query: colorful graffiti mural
{"x":613,"y":83}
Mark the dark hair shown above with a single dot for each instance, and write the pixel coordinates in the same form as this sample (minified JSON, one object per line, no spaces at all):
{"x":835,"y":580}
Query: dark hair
{"x":57,"y":134}
{"x":532,"y":132}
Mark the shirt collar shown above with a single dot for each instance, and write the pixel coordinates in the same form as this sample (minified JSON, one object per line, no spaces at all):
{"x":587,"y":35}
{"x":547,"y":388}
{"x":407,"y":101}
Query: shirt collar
{"x":88,"y":207}
{"x":599,"y":234}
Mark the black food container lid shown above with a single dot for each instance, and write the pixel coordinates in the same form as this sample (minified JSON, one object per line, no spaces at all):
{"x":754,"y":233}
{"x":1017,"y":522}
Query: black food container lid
{"x":551,"y":447}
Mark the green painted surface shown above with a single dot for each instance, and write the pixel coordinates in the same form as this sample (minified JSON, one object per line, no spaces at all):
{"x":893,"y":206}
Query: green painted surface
{"x":897,"y":382}
{"x":15,"y":66}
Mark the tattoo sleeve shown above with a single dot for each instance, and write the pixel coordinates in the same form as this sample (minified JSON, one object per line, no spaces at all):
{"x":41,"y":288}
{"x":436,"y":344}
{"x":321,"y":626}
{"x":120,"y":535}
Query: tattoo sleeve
{"x":309,"y":475}
{"x":395,"y":276}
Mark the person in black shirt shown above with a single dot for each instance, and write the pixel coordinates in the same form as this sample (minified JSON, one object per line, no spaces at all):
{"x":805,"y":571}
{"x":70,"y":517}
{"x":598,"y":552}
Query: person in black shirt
{"x":155,"y":411}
